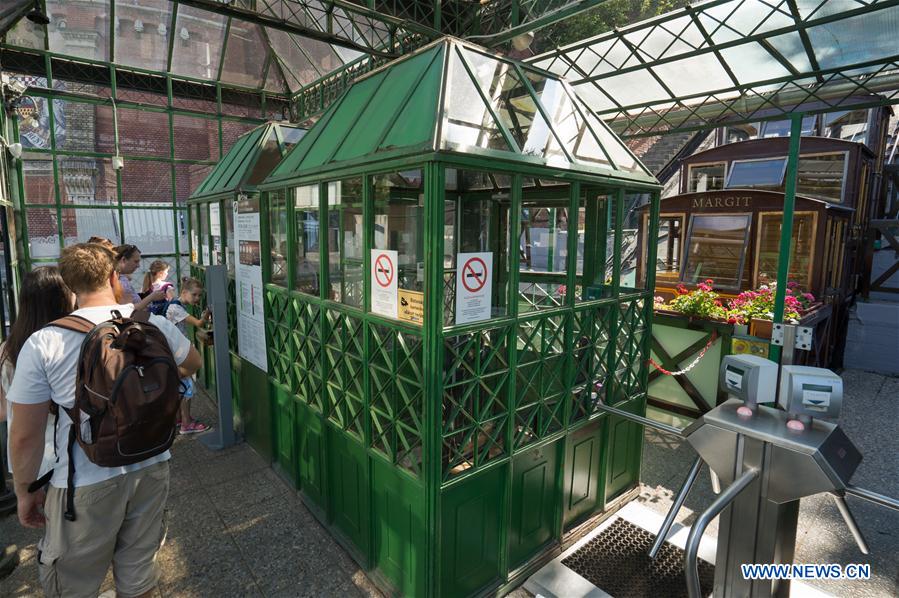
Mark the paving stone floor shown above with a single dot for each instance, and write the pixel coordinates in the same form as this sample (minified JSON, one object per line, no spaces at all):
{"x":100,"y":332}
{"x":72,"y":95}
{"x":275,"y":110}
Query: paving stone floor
{"x":236,"y":529}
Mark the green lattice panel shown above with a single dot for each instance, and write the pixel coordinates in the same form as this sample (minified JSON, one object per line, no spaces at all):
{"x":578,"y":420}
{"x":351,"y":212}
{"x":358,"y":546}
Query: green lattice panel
{"x":277,"y":325}
{"x":540,"y":385}
{"x":591,"y":358}
{"x":344,"y":351}
{"x":475,"y":405}
{"x":397,"y":392}
{"x":305,"y":337}
{"x":629,"y":358}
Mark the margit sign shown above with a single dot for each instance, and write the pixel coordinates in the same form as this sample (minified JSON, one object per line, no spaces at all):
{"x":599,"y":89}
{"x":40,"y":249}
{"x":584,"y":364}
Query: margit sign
{"x":721,"y":202}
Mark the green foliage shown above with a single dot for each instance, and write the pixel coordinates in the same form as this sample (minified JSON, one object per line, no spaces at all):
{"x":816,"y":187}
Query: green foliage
{"x":602,"y":18}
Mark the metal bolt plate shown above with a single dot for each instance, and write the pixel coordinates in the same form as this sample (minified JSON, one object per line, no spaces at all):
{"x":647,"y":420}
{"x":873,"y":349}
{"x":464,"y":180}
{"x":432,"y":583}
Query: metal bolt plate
{"x":617,"y":562}
{"x":804,"y":336}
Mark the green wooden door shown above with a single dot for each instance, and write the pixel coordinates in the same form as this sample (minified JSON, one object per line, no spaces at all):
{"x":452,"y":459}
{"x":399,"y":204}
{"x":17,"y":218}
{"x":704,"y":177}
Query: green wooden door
{"x":581,"y":491}
{"x":534,"y":501}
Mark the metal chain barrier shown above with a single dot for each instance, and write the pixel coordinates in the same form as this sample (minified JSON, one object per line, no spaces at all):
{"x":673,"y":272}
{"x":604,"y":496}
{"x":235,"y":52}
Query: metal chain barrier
{"x":693,"y":364}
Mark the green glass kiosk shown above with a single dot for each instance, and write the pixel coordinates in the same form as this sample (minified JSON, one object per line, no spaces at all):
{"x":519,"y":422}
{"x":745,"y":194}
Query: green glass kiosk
{"x":444,"y":307}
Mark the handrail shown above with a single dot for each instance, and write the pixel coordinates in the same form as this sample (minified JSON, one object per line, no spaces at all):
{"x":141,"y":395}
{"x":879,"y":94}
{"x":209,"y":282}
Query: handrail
{"x":643,"y":421}
{"x":871,"y":496}
{"x":675,"y":507}
{"x":692,"y":548}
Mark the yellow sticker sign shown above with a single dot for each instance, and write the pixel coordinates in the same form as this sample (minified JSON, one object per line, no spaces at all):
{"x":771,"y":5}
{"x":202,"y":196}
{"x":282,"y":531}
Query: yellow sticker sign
{"x":412,"y":306}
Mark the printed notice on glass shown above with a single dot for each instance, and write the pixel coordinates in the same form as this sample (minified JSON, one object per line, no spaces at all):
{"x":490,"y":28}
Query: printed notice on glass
{"x":384,"y":282}
{"x":412,"y":306}
{"x":248,"y":279}
{"x":474,"y":286}
{"x":215,"y":220}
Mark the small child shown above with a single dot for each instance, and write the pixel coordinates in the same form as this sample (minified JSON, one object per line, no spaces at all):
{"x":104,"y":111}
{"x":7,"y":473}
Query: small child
{"x":191,"y":289}
{"x":155,"y":281}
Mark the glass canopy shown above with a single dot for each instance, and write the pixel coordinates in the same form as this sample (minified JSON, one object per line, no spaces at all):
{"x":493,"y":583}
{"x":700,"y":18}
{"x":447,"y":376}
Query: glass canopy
{"x":177,"y":38}
{"x":490,"y":105}
{"x":734,"y":60}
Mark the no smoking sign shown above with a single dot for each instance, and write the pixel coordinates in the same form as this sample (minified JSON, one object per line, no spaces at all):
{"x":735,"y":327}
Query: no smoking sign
{"x":474,"y":281}
{"x":384,"y":282}
{"x":384,"y":270}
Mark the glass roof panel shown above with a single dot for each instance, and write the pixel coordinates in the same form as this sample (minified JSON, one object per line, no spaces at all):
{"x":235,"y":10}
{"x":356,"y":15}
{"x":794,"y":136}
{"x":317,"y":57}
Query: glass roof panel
{"x":298,"y":69}
{"x":862,"y":38}
{"x":322,"y":55}
{"x":197,"y":48}
{"x":142,"y":34}
{"x":550,"y":94}
{"x":245,"y":56}
{"x":620,"y":155}
{"x":79,"y":29}
{"x":572,"y":130}
{"x":274,"y":81}
{"x":27,"y":35}
{"x":635,"y":87}
{"x":467,"y":121}
{"x":751,"y":62}
{"x":680,"y":76}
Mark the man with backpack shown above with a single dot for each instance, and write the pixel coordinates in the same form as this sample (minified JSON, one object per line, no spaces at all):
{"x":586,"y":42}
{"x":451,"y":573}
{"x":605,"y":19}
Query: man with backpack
{"x":116,"y":373}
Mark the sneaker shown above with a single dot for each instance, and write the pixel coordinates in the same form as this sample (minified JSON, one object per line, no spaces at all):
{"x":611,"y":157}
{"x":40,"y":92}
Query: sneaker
{"x":193,"y":428}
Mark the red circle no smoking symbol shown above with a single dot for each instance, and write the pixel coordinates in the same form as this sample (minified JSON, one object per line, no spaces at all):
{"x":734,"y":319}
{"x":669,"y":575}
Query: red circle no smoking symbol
{"x":383,"y":270}
{"x":474,"y":275}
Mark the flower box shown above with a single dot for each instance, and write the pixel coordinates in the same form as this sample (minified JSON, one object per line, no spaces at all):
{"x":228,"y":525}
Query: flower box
{"x":760,"y":328}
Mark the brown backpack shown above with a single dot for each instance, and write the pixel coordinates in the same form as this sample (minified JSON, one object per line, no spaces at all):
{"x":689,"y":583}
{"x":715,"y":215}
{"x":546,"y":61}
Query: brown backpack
{"x":126,"y":393}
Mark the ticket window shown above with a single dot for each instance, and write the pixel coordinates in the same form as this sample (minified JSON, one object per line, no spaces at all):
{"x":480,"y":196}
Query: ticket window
{"x":546,"y":222}
{"x":278,"y":235}
{"x":476,"y":245}
{"x":306,"y":275}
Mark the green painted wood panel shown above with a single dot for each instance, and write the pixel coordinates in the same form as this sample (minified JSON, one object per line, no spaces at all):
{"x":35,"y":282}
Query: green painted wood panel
{"x":256,"y":408}
{"x":581,"y":494}
{"x":285,"y":426}
{"x":348,"y":488}
{"x":400,"y":531}
{"x":310,"y":454}
{"x":624,"y":441}
{"x":534,"y":501}
{"x":470,"y":528}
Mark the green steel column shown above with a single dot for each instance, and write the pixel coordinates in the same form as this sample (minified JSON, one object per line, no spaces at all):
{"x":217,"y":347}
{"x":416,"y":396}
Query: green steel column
{"x":786,"y":230}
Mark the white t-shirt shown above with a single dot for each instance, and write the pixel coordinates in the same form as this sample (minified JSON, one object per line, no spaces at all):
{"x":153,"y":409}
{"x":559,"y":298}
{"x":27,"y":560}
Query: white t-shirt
{"x":176,"y":314}
{"x":46,"y":370}
{"x":6,"y":376}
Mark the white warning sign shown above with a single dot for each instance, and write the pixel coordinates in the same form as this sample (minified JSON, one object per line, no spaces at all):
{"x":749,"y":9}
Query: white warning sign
{"x":474,"y":286}
{"x":384,"y":282}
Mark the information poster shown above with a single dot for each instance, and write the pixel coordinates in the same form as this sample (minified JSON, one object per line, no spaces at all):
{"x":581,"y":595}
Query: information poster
{"x":474,"y":286}
{"x":384,"y":282}
{"x":248,"y":278}
{"x":215,"y":229}
{"x":412,"y":306}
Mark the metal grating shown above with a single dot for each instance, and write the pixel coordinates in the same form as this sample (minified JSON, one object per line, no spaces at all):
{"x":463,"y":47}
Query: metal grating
{"x":617,"y":562}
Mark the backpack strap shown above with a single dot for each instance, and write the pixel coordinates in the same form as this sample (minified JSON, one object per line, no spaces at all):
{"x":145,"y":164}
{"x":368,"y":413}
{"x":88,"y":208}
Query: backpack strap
{"x":73,"y":323}
{"x":141,"y":315}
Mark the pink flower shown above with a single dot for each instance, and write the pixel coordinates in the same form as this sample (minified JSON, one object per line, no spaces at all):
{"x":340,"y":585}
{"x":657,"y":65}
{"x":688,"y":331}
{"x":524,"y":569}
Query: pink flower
{"x":808,"y":297}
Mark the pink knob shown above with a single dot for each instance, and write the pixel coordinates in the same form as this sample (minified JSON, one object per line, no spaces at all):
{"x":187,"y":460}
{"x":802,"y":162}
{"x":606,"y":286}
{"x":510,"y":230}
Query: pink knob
{"x":795,"y":424}
{"x":744,"y":411}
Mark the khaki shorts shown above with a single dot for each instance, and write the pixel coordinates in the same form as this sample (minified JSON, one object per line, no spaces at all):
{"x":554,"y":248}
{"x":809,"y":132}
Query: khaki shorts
{"x":118,"y":521}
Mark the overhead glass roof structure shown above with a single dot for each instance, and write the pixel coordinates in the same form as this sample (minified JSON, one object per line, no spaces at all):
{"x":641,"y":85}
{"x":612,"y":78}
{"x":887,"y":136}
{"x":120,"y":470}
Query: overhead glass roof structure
{"x":462,"y":100}
{"x":735,"y":61}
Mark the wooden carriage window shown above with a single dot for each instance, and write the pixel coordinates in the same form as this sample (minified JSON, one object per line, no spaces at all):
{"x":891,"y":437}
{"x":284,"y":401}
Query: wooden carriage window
{"x":706,"y":177}
{"x":802,"y":248}
{"x":822,"y":176}
{"x":767,"y":173}
{"x":716,"y":249}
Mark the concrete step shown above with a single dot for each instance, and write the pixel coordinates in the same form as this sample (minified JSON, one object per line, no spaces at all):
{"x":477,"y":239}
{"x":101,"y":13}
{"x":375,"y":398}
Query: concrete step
{"x":872,"y":340}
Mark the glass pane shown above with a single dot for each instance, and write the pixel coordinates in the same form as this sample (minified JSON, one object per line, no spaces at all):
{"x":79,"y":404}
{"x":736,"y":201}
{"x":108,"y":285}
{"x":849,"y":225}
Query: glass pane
{"x":757,"y":173}
{"x":467,"y":122}
{"x":79,"y":29}
{"x":575,"y":134}
{"x":27,"y":35}
{"x":671,"y":231}
{"x":203,"y":229}
{"x":43,"y":232}
{"x":83,"y":127}
{"x":802,"y":248}
{"x":196,"y":138}
{"x":476,"y":220}
{"x":851,"y":126}
{"x":147,"y":181}
{"x":716,"y":249}
{"x":629,"y":254}
{"x":244,"y":56}
{"x":87,"y":180}
{"x":215,"y":231}
{"x":198,"y":43}
{"x":143,"y":133}
{"x":306,"y":246}
{"x":80,"y":224}
{"x":543,"y":248}
{"x":277,"y":222}
{"x":269,"y":157}
{"x":33,"y":116}
{"x":821,"y":176}
{"x":707,"y":177}
{"x":290,"y":136}
{"x":142,"y":34}
{"x":399,"y":226}
{"x":781,"y":128}
{"x":37,"y":175}
{"x":345,"y":241}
